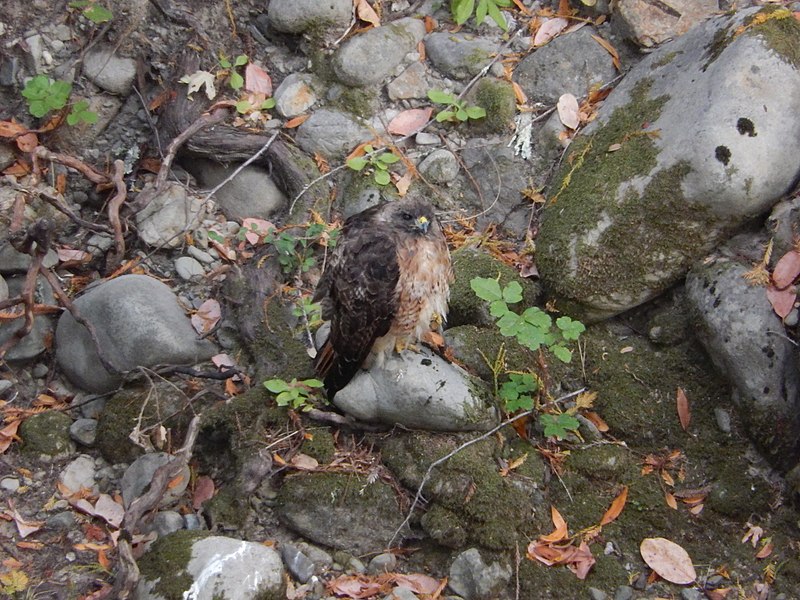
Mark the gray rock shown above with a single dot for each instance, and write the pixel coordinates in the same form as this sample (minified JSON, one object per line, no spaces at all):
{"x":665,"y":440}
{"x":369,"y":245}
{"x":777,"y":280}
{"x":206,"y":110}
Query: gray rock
{"x":35,"y":343}
{"x":297,"y":16}
{"x":9,"y":484}
{"x":83,"y":135}
{"x":370,"y":57}
{"x":624,"y":592}
{"x":5,"y":386}
{"x":735,"y":324}
{"x":84,"y":431}
{"x":459,"y":55}
{"x":138,"y":321}
{"x":218,"y":567}
{"x":252,"y":193}
{"x":417,"y":390}
{"x":595,"y":594}
{"x":7,"y":156}
{"x":440,"y":166}
{"x":717,"y":156}
{"x":80,"y":473}
{"x":12,"y":261}
{"x":113,"y":73}
{"x":411,"y":83}
{"x":782,"y":224}
{"x":299,"y":565}
{"x":473,"y":579}
{"x":570,"y":63}
{"x":166,"y":522}
{"x":649,"y":24}
{"x":46,"y":435}
{"x":168,"y":215}
{"x":295,"y":95}
{"x":362,"y":518}
{"x":723,"y":419}
{"x":401,"y":593}
{"x":139,"y":475}
{"x":187,"y":267}
{"x":382,"y":563}
{"x":200,"y":255}
{"x":331,"y":133}
{"x":63,"y":521}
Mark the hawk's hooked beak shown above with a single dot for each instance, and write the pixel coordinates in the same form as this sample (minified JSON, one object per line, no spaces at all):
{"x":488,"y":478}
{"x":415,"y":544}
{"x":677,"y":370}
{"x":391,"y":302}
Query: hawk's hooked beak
{"x":422,"y":224}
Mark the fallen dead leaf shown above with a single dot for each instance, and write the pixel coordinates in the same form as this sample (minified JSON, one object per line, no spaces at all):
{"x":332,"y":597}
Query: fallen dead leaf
{"x":257,"y":80}
{"x":610,"y":49}
{"x":766,"y":549}
{"x":560,"y":532}
{"x":203,"y":490}
{"x":548,"y":30}
{"x":786,"y":269}
{"x":684,"y":414}
{"x":668,"y":560}
{"x":616,"y":507}
{"x":304,"y":462}
{"x":410,"y":121}
{"x":296,"y":122}
{"x":207,"y":316}
{"x":568,"y":111}
{"x":782,"y":301}
{"x":366,"y":13}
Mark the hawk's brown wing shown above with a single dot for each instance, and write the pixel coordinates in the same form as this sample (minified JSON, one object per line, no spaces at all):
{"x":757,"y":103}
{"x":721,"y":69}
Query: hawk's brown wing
{"x":358,"y":295}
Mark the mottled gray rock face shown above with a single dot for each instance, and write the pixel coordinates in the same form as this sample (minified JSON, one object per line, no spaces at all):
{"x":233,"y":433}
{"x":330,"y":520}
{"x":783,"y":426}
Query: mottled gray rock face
{"x":370,"y":57}
{"x":168,"y":215}
{"x":138,"y":322}
{"x":737,"y":326}
{"x":459,"y":55}
{"x":417,"y":390}
{"x":568,"y":64}
{"x":473,"y":579}
{"x":218,"y":567}
{"x":331,"y":133}
{"x":297,"y":16}
{"x":113,"y":73}
{"x":694,"y":142}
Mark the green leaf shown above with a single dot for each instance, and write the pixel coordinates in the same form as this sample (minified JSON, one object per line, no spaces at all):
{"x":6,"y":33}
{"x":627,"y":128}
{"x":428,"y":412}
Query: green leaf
{"x":445,"y":115}
{"x":224,"y":62}
{"x":524,"y":402}
{"x":242,"y":106}
{"x":37,"y":108}
{"x":561,"y":353}
{"x":512,"y":293}
{"x":462,"y":115}
{"x":480,"y":12}
{"x":497,"y":16}
{"x":382,"y":177}
{"x":388,"y":158}
{"x":240,"y":60}
{"x":98,"y":14}
{"x":284,"y":398}
{"x":559,"y":426}
{"x":313,"y":383}
{"x":486,"y":288}
{"x":538,"y":318}
{"x":529,"y":336}
{"x":268,"y":103}
{"x":440,"y":97}
{"x":276,"y":386}
{"x":461,"y":10}
{"x":357,"y":163}
{"x":571,"y":330}
{"x":237,"y":81}
{"x":498,"y":308}
{"x":475,"y":112}
{"x":510,"y":323}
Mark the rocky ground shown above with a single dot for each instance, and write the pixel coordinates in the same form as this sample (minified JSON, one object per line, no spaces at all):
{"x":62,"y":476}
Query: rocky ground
{"x":206,"y":212}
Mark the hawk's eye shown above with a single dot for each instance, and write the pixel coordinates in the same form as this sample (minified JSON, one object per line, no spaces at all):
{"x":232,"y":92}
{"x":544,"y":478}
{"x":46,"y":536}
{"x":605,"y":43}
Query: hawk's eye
{"x":407,"y":216}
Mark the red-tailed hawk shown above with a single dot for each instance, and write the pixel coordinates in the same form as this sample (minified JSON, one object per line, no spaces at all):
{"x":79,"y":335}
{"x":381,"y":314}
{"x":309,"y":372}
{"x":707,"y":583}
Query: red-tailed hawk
{"x":387,"y":281}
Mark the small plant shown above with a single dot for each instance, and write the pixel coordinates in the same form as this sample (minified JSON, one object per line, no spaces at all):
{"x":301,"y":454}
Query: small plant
{"x":534,"y":327}
{"x":379,"y":161}
{"x":463,"y":10}
{"x":296,"y":252}
{"x":44,"y":94}
{"x":295,"y":394}
{"x":456,"y":110}
{"x":516,"y":392}
{"x":80,"y":113}
{"x":93,"y":11}
{"x":236,"y":81}
{"x":304,"y":307}
{"x":246,"y":106}
{"x":559,"y":426}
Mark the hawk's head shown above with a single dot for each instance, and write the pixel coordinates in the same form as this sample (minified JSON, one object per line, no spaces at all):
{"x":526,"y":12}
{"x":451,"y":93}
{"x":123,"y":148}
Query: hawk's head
{"x":409,"y":216}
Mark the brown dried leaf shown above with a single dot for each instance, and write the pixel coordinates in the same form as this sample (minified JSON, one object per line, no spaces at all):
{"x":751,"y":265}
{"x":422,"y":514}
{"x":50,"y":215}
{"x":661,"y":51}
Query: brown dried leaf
{"x":782,"y":301}
{"x":568,"y":111}
{"x":257,"y":80}
{"x":417,"y":583}
{"x":203,"y":490}
{"x":410,"y":121}
{"x":366,"y":13}
{"x":296,"y":122}
{"x":548,"y":30}
{"x":610,"y":49}
{"x":207,"y":316}
{"x":616,"y":507}
{"x":668,"y":559}
{"x":786,"y":269}
{"x":766,"y":549}
{"x":670,"y":500}
{"x":561,"y":530}
{"x":304,"y":462}
{"x":684,"y":414}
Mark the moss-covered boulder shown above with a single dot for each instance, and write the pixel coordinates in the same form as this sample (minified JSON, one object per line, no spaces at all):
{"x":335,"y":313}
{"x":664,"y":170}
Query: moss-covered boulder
{"x":46,"y":434}
{"x":677,"y":159}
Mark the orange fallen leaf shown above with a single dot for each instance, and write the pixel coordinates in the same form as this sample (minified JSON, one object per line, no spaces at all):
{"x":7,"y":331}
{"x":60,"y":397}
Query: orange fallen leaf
{"x":610,"y":49}
{"x":296,"y":122}
{"x":257,"y":80}
{"x":668,"y":559}
{"x":616,"y":507}
{"x":670,"y":500}
{"x":207,"y":316}
{"x":598,"y":421}
{"x":684,"y":414}
{"x":417,"y":583}
{"x":203,"y":490}
{"x":560,"y":532}
{"x":366,"y":13}
{"x":519,"y":94}
{"x":8,"y":434}
{"x":766,"y":549}
{"x":548,"y":30}
{"x":304,"y":462}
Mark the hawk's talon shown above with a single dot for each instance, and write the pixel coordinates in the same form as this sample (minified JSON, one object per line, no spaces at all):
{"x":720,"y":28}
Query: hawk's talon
{"x":399,"y":346}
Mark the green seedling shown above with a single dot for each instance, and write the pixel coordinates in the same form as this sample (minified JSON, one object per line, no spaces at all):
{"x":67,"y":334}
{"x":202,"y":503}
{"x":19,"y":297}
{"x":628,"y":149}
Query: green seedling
{"x":236,"y":81}
{"x":464,"y":9}
{"x":294,"y":394}
{"x":378,"y":161}
{"x":559,"y":426}
{"x":456,"y":110}
{"x":93,"y":11}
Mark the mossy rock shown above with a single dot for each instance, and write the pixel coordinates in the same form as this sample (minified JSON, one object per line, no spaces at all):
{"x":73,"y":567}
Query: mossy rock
{"x":320,"y":446}
{"x":465,"y":307}
{"x":46,"y":434}
{"x":141,"y":407}
{"x":471,"y":344}
{"x":497,"y":98}
{"x":170,"y":555}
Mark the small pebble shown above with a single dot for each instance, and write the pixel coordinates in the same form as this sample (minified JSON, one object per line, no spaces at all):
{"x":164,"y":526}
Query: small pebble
{"x":723,"y":418}
{"x":187,"y":267}
{"x":9,"y":484}
{"x":383,"y":563}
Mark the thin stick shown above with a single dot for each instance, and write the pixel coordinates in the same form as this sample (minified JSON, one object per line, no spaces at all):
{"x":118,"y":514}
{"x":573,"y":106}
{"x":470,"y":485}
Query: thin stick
{"x":113,"y":213}
{"x":450,"y":455}
{"x":242,"y":166}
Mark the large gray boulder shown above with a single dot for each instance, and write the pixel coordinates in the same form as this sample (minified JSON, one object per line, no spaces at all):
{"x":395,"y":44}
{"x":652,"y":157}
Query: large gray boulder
{"x":701,"y":136}
{"x":743,"y":336}
{"x":138,"y":322}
